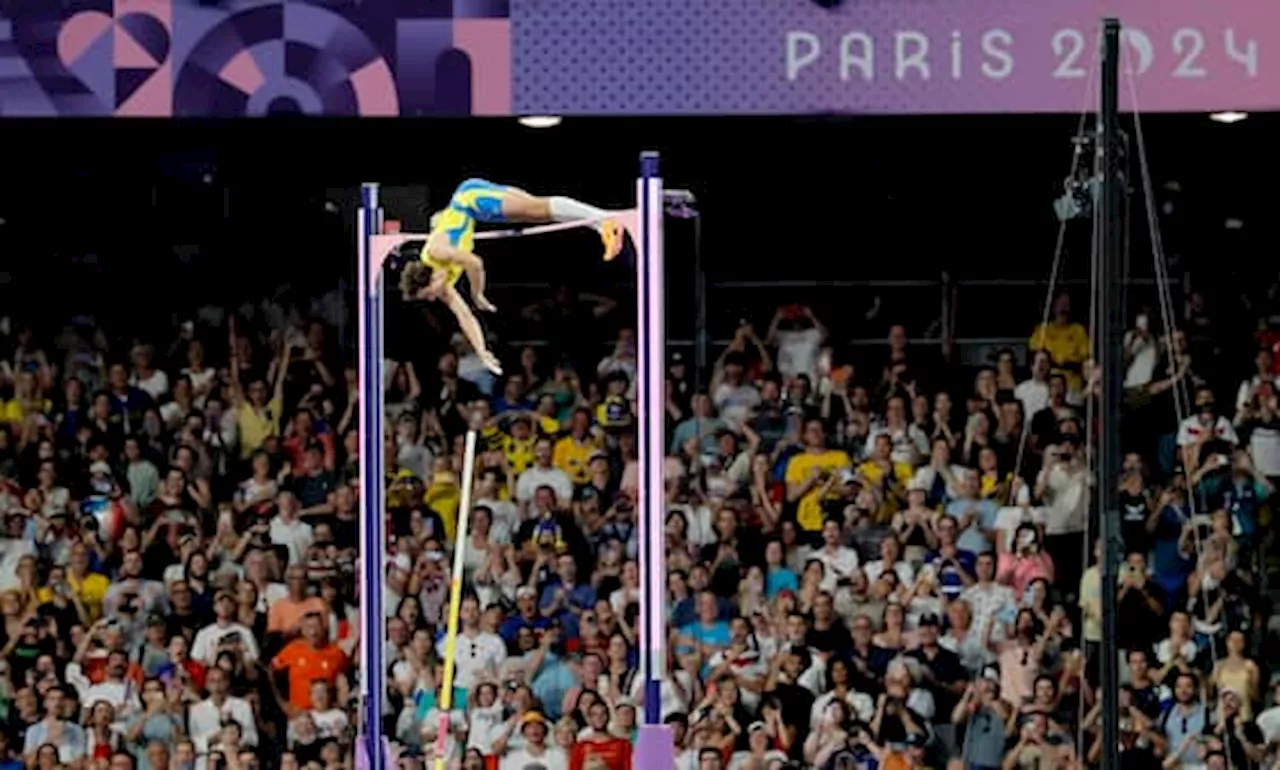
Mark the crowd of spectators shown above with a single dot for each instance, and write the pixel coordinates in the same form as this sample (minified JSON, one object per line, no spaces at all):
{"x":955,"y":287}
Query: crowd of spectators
{"x":888,"y":566}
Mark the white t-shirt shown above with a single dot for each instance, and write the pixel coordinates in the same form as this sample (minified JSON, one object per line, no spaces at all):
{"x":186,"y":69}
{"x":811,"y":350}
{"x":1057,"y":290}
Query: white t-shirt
{"x":536,"y":477}
{"x":200,"y":379}
{"x":295,"y":535}
{"x":1010,"y":517}
{"x":553,"y":758}
{"x":123,"y":697}
{"x":1067,"y":499}
{"x":204,"y":721}
{"x":1245,"y":393}
{"x":841,"y":563}
{"x":1165,"y":651}
{"x":505,"y":519}
{"x":735,"y":402}
{"x":486,"y":726}
{"x":1264,"y":448}
{"x":1191,"y":429}
{"x":155,"y":385}
{"x":1145,"y":354}
{"x":205,"y":647}
{"x":798,"y":352}
{"x":906,"y":573}
{"x":474,"y":655}
{"x":1269,"y":723}
{"x":673,"y":702}
{"x":330,"y":724}
{"x":1034,"y":396}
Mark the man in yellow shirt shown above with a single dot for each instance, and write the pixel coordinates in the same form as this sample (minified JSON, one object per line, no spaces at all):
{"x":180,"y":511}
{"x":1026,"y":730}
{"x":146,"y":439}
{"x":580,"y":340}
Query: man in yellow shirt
{"x":807,"y":472}
{"x":257,"y":418}
{"x":517,"y":444}
{"x":89,"y":587}
{"x":883,"y":473}
{"x":573,"y":452}
{"x":1066,"y":342}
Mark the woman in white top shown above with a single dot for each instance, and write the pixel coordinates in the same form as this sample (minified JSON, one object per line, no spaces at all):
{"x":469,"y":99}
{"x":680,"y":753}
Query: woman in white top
{"x":203,"y":377}
{"x":1178,"y":651}
{"x":475,"y":555}
{"x":838,"y":676}
{"x":973,"y":648}
{"x":629,"y":593}
{"x":485,"y":721}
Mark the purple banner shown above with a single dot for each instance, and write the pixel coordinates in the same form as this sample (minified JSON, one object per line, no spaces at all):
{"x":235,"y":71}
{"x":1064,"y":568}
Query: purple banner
{"x":885,"y":56}
{"x":230,"y":58}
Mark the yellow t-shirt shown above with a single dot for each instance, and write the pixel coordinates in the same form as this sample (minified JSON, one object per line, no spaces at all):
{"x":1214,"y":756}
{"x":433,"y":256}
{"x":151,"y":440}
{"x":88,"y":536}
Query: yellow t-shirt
{"x":1068,"y":347}
{"x":902,"y":473}
{"x":14,"y":411}
{"x":519,"y":453}
{"x":809,"y":510}
{"x":92,"y":592}
{"x":443,"y":496}
{"x":490,"y":439}
{"x":1090,"y":603}
{"x":571,"y":455}
{"x":256,"y":427}
{"x":548,"y":426}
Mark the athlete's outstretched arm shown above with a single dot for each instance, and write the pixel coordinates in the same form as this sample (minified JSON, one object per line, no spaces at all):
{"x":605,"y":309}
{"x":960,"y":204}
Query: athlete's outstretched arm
{"x":443,"y":251}
{"x":470,"y":327}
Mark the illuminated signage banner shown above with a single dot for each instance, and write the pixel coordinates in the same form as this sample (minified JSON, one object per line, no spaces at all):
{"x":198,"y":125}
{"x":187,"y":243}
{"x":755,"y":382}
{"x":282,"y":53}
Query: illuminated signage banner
{"x":233,"y":58}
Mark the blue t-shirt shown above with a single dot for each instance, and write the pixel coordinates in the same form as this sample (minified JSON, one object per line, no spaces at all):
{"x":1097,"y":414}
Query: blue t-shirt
{"x":972,"y":539}
{"x":1168,"y":565}
{"x":779,"y":579}
{"x":949,"y":580}
{"x":715,"y":635}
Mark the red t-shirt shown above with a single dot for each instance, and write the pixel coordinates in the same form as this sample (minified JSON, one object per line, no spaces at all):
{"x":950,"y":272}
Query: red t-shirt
{"x":616,"y":752}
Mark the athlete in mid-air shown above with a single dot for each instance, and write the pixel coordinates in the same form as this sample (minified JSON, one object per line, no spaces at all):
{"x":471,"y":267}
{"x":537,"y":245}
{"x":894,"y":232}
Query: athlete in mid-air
{"x":448,"y":253}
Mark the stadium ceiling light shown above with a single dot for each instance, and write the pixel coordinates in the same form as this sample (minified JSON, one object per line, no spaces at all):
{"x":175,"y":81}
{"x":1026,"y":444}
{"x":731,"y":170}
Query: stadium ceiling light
{"x":540,"y":121}
{"x":1228,"y":117}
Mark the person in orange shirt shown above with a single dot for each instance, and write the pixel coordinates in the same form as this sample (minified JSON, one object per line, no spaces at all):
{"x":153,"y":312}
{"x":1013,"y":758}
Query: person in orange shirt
{"x":311,"y":658}
{"x":286,"y":615}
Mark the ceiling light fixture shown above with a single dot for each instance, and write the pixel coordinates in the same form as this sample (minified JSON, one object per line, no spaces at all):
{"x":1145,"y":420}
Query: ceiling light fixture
{"x":1228,"y":117}
{"x":540,"y":121}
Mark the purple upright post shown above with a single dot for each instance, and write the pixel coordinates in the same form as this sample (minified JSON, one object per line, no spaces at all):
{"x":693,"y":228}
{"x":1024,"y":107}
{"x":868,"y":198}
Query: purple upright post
{"x":372,"y":488}
{"x":655,"y":747}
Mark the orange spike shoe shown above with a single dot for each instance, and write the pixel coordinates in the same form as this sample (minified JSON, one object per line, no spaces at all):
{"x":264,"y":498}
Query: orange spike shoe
{"x":612,"y":235}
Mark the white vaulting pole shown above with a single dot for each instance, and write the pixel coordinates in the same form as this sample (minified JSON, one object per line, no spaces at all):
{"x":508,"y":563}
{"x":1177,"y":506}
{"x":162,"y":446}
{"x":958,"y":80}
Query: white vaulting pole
{"x":455,"y":598}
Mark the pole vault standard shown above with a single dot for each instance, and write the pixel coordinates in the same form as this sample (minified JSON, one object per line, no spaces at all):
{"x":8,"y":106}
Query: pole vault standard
{"x":654,"y":748}
{"x":374,"y":247}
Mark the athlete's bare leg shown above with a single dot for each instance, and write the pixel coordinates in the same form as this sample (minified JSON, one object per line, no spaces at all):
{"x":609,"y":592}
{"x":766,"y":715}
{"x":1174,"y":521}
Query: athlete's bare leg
{"x":520,"y":206}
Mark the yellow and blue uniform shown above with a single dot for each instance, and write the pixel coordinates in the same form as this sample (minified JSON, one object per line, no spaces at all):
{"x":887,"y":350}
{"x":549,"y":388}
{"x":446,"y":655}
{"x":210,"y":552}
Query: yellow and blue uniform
{"x":475,"y":200}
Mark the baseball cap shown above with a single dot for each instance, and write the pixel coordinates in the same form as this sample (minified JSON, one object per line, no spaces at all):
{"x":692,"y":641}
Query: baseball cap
{"x":929,"y":619}
{"x":532,"y":717}
{"x":100,"y":467}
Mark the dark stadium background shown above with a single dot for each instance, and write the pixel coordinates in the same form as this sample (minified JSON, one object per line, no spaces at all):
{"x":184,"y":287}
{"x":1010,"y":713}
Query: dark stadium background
{"x":817,"y":199}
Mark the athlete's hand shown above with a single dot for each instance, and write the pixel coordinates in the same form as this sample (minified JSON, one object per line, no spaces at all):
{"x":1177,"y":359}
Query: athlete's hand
{"x":483,"y":304}
{"x":491,"y":362}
